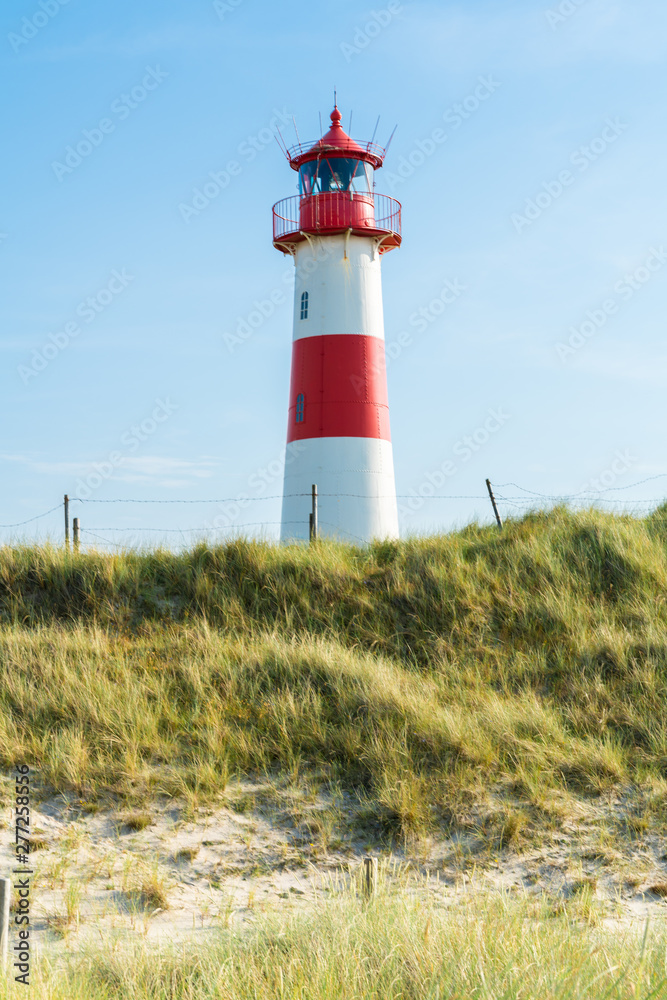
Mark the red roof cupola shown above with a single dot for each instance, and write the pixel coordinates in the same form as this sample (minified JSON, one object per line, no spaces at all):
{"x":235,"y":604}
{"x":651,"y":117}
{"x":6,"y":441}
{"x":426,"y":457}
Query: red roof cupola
{"x":336,"y":141}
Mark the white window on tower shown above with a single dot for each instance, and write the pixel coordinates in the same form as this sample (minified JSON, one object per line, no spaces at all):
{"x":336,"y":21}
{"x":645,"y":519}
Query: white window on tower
{"x":304,"y":305}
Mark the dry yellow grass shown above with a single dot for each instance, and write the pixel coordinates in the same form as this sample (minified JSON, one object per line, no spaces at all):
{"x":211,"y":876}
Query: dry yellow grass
{"x":395,"y":947}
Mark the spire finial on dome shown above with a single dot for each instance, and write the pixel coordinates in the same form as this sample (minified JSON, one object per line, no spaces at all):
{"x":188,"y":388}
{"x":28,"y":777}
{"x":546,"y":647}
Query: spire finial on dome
{"x":336,"y":116}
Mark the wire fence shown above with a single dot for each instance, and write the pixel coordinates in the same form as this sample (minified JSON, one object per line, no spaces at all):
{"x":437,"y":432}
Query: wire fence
{"x":521,"y":500}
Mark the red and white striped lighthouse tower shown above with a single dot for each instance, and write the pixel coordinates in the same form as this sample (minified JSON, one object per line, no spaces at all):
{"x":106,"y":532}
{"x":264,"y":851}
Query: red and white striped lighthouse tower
{"x":337,"y":229}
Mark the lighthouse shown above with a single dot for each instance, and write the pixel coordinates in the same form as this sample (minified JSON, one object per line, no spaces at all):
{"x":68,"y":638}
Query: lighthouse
{"x":337,"y":230}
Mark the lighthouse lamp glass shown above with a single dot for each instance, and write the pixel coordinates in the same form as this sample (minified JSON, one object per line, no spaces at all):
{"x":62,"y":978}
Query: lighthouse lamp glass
{"x":335,"y":173}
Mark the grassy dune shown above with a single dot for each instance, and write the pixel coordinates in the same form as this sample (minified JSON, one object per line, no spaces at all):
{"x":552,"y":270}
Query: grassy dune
{"x":416,"y":675}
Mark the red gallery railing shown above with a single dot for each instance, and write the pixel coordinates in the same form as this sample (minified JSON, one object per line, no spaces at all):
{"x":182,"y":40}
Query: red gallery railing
{"x":337,"y":212}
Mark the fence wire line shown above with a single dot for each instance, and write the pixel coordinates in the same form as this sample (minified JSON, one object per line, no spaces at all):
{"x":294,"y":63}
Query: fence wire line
{"x":594,"y":498}
{"x":245,"y":524}
{"x":592,"y":495}
{"x":221,"y":500}
{"x":527,"y":501}
{"x":572,"y":496}
{"x":107,"y":541}
{"x":251,"y":524}
{"x":361,"y":496}
{"x":585,"y":494}
{"x":36,"y":518}
{"x":344,"y":530}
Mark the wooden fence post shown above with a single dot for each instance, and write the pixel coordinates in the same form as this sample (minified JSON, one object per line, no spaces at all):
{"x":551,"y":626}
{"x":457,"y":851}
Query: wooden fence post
{"x":370,"y":877}
{"x":493,"y":503}
{"x":66,"y":521}
{"x":313,"y":516}
{"x":5,"y":897}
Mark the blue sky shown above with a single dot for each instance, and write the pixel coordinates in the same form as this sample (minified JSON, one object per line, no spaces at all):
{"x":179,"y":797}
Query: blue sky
{"x":529,"y":159}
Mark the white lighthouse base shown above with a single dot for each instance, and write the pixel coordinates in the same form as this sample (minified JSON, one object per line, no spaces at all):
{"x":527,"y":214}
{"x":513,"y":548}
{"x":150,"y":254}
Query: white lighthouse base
{"x":356,"y":491}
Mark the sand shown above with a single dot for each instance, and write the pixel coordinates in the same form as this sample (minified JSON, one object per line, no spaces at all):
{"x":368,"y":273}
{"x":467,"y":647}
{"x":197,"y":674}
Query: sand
{"x":263,"y":849}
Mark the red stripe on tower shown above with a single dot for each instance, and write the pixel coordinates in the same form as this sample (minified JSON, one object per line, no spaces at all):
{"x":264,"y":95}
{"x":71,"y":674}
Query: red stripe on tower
{"x":338,"y":388}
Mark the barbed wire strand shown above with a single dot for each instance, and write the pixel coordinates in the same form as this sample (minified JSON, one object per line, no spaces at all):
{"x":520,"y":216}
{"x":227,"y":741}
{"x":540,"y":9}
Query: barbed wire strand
{"x":107,"y":541}
{"x":232,"y":527}
{"x":583,"y":496}
{"x":221,"y":500}
{"x":246,"y":524}
{"x":362,"y":496}
{"x":526,"y":502}
{"x":344,"y":530}
{"x":589,"y":494}
{"x":571,"y":496}
{"x":30,"y":519}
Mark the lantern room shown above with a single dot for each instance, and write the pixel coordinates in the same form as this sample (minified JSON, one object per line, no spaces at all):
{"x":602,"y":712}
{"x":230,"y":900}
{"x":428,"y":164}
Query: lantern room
{"x":335,"y":173}
{"x":336,"y":193}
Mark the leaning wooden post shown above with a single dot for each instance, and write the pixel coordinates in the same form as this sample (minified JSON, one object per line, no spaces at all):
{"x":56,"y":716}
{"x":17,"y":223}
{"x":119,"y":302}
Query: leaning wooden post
{"x":66,"y":502}
{"x":370,"y":877}
{"x":5,"y":897}
{"x":77,"y":534}
{"x":493,"y":503}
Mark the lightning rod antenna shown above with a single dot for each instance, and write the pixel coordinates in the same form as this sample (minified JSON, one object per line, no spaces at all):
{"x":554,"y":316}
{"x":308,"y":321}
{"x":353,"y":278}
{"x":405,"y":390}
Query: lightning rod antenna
{"x":320,"y":114}
{"x":386,"y":148}
{"x":375,"y":129}
{"x":296,"y":130}
{"x":282,"y":144}
{"x":349,"y":127}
